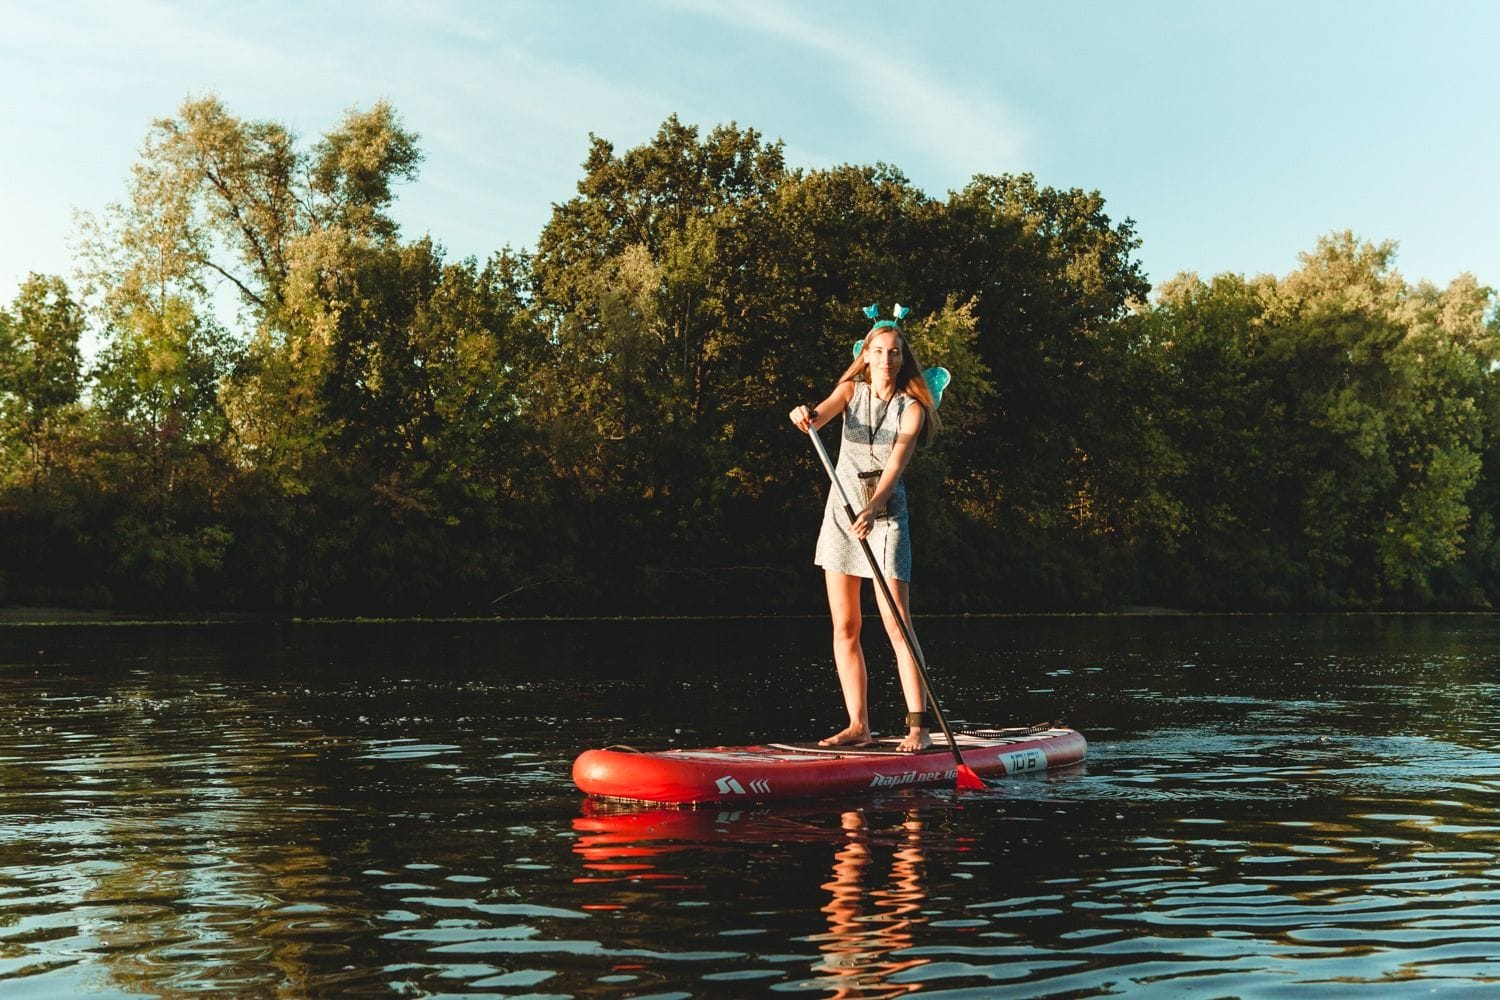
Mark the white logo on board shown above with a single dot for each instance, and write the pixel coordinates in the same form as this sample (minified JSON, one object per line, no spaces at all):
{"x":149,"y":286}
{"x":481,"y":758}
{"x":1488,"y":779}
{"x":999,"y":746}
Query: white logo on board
{"x":1025,"y":760}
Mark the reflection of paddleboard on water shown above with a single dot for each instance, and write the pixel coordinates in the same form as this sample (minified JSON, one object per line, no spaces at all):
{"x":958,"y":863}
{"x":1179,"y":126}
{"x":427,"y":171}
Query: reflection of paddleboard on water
{"x":602,"y":823}
{"x":774,"y":771}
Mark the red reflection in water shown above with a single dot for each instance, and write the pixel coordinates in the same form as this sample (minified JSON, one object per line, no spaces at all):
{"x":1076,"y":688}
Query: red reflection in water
{"x":873,"y":908}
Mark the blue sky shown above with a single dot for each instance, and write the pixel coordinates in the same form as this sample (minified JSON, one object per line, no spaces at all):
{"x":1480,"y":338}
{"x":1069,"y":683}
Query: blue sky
{"x":1234,"y":134}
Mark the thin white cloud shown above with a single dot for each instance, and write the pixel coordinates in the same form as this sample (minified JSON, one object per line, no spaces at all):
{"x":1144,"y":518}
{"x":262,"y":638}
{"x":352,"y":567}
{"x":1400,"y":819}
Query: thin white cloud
{"x":504,"y":127}
{"x":965,"y":130}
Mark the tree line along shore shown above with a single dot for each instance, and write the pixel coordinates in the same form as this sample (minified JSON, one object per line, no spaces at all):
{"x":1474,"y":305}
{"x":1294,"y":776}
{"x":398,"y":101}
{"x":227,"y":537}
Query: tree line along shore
{"x":288,"y":406}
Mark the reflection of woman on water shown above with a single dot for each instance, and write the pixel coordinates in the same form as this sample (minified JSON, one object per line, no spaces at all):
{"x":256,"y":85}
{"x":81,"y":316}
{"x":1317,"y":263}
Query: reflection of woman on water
{"x":858,"y":946}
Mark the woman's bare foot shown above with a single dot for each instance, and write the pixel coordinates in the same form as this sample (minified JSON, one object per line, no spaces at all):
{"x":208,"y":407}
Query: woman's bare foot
{"x":915,"y":740}
{"x":854,"y":736}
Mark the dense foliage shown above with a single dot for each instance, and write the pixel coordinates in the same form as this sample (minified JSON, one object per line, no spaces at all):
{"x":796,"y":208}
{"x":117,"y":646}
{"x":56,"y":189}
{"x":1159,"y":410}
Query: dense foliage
{"x":290,"y":407}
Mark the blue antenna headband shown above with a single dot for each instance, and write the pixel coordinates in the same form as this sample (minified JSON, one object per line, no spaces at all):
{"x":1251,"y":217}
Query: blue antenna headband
{"x":937,"y":379}
{"x":898,"y":313}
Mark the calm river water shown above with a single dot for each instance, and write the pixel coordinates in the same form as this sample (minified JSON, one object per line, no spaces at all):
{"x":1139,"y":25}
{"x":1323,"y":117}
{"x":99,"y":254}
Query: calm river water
{"x":1272,"y":806}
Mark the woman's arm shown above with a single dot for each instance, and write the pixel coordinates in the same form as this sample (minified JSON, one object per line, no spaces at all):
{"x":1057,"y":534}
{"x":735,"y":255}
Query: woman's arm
{"x":901,"y":453}
{"x":804,"y":417}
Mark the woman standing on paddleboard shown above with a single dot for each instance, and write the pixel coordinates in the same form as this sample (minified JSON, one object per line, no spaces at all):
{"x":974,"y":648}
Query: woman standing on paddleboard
{"x":888,"y":409}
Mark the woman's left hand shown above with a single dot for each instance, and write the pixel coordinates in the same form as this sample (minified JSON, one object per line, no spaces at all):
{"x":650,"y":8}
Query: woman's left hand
{"x":864,"y":523}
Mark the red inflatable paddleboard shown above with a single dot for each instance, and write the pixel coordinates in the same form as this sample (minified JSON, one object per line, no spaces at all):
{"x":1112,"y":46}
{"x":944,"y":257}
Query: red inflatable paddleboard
{"x":776,"y":771}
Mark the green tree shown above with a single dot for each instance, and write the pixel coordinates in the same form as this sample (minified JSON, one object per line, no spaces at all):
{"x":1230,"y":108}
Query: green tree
{"x":426,"y":463}
{"x":656,"y":289}
{"x":1046,"y":472}
{"x":1385,"y":395}
{"x":41,"y":377}
{"x":1477,"y":575}
{"x":1329,"y":426}
{"x":1448,"y":356}
{"x":159,"y":458}
{"x":43,"y":557}
{"x":1228,"y":455}
{"x":218,"y":203}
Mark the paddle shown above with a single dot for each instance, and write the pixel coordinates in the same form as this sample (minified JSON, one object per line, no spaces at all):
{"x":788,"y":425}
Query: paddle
{"x":966,"y":776}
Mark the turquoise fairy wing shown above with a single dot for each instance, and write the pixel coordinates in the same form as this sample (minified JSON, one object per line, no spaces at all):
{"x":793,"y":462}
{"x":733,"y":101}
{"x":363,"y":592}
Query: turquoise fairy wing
{"x":859,"y":345}
{"x":937,"y":380}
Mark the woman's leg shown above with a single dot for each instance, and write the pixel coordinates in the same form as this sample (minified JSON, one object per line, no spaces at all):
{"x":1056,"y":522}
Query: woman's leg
{"x":917,"y":737}
{"x":843,"y":607}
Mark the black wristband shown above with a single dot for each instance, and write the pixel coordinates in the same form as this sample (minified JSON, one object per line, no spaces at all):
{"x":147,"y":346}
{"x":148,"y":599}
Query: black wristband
{"x":812,"y":412}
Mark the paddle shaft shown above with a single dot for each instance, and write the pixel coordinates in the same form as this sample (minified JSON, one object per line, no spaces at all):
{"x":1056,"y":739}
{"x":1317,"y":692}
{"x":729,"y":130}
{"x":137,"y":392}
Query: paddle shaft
{"x":890,"y":600}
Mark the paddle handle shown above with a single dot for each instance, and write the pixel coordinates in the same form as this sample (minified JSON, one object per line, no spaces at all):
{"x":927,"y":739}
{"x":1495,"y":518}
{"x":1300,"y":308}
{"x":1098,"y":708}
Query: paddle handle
{"x":890,"y":600}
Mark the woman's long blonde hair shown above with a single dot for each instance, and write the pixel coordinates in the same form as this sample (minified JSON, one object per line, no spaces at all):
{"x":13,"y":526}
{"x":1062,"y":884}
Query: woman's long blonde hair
{"x":908,"y":378}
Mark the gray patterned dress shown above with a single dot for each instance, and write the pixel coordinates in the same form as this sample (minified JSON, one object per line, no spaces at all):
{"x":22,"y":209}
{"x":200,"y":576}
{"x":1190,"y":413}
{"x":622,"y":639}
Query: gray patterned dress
{"x":870,"y":427}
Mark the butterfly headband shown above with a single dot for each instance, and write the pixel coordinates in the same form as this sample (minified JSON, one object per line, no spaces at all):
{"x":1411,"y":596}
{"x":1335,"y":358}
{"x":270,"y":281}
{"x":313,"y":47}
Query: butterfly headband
{"x":937,"y":379}
{"x":898,"y":313}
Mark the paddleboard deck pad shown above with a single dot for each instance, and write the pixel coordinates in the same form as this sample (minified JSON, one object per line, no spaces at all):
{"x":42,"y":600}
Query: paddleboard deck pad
{"x":776,"y":771}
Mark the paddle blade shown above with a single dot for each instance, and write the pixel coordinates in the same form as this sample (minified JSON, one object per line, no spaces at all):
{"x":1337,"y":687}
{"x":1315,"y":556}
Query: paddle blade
{"x":968,"y":780}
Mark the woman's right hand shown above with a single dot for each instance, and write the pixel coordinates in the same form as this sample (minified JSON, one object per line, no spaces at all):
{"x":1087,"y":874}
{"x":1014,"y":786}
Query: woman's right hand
{"x":802,"y":417}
